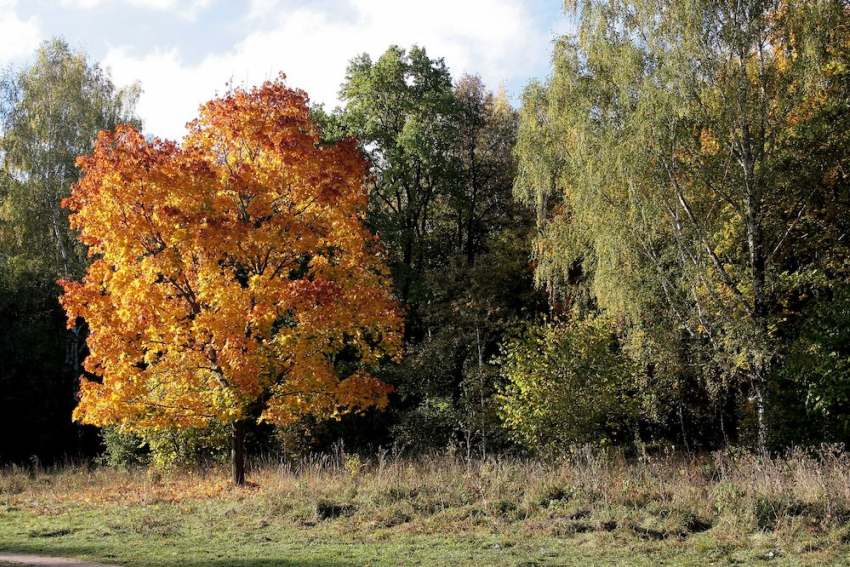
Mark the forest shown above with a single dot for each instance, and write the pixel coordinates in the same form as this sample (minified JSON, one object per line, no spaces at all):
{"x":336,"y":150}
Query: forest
{"x":651,"y":251}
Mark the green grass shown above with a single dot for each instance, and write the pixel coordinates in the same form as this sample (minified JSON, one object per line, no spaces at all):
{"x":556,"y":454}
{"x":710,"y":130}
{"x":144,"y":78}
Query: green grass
{"x":587,"y":511}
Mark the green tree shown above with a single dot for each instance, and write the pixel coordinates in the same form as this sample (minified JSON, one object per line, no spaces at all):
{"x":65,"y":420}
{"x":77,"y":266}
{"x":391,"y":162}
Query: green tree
{"x":486,"y":135}
{"x":664,"y":157}
{"x":443,"y":171}
{"x":402,"y":109}
{"x":50,"y":113}
{"x":477,"y":282}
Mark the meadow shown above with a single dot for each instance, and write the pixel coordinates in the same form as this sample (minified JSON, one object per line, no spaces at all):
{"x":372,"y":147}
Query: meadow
{"x":339,"y":509}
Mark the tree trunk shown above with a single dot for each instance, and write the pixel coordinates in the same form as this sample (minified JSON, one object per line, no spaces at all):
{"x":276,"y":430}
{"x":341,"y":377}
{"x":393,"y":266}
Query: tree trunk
{"x":758,"y":398}
{"x":237,"y":453}
{"x":75,"y":343}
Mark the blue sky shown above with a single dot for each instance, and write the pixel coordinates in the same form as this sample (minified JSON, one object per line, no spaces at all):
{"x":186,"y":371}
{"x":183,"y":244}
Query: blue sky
{"x":184,"y":51}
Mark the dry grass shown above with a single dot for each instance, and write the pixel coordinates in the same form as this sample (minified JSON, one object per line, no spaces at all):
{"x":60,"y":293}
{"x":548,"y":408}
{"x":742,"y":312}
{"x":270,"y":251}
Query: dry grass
{"x":715,"y":504}
{"x":764,"y":494}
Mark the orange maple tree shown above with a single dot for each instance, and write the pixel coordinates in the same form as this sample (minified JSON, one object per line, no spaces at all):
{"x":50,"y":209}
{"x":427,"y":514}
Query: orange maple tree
{"x":231,"y":273}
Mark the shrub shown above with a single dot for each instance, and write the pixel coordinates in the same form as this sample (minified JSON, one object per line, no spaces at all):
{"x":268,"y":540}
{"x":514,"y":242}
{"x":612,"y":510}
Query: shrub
{"x":567,"y":384}
{"x":164,"y":448}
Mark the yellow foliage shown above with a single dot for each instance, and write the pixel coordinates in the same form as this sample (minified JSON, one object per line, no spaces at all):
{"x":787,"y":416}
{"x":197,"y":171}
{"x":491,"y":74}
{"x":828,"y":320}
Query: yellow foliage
{"x":229,"y":270}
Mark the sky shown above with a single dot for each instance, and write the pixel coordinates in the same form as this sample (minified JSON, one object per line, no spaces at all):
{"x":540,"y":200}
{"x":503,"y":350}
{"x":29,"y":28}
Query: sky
{"x":183,"y":52}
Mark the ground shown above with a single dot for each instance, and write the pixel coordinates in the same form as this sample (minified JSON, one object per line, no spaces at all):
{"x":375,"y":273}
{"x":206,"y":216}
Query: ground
{"x":440,"y":511}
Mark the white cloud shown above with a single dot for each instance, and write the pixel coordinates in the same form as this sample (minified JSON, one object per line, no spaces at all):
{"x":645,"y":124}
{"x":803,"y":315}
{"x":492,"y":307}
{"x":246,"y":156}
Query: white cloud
{"x":18,"y":38}
{"x":261,"y":9}
{"x":154,"y":4}
{"x":81,"y":3}
{"x":172,"y":92}
{"x":183,"y":8}
{"x":312,"y":45}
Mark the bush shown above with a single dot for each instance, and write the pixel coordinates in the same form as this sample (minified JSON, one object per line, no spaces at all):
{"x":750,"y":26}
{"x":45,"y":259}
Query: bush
{"x":164,"y":448}
{"x":567,"y":384}
{"x":122,"y":449}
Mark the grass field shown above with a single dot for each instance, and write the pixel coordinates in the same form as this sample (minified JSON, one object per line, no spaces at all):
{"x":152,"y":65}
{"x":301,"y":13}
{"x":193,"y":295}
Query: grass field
{"x":341,"y":510}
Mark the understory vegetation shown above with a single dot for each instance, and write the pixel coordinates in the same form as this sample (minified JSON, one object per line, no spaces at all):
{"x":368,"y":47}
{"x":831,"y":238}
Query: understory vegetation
{"x":338,"y":509}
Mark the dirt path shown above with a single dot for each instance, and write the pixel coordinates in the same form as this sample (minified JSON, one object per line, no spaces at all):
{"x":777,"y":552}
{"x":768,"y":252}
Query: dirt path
{"x":45,"y":561}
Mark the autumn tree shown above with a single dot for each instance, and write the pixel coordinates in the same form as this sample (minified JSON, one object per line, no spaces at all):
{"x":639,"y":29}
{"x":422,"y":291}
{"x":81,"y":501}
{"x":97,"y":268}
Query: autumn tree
{"x":680,"y":161}
{"x":233,"y":277}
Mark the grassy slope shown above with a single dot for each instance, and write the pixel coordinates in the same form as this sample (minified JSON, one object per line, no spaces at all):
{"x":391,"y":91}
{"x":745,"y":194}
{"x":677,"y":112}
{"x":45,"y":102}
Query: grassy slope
{"x":339,"y":511}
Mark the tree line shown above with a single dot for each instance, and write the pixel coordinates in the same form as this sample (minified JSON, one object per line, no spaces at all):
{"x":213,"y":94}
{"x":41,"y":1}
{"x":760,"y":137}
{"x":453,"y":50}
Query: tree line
{"x":651,"y":250}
